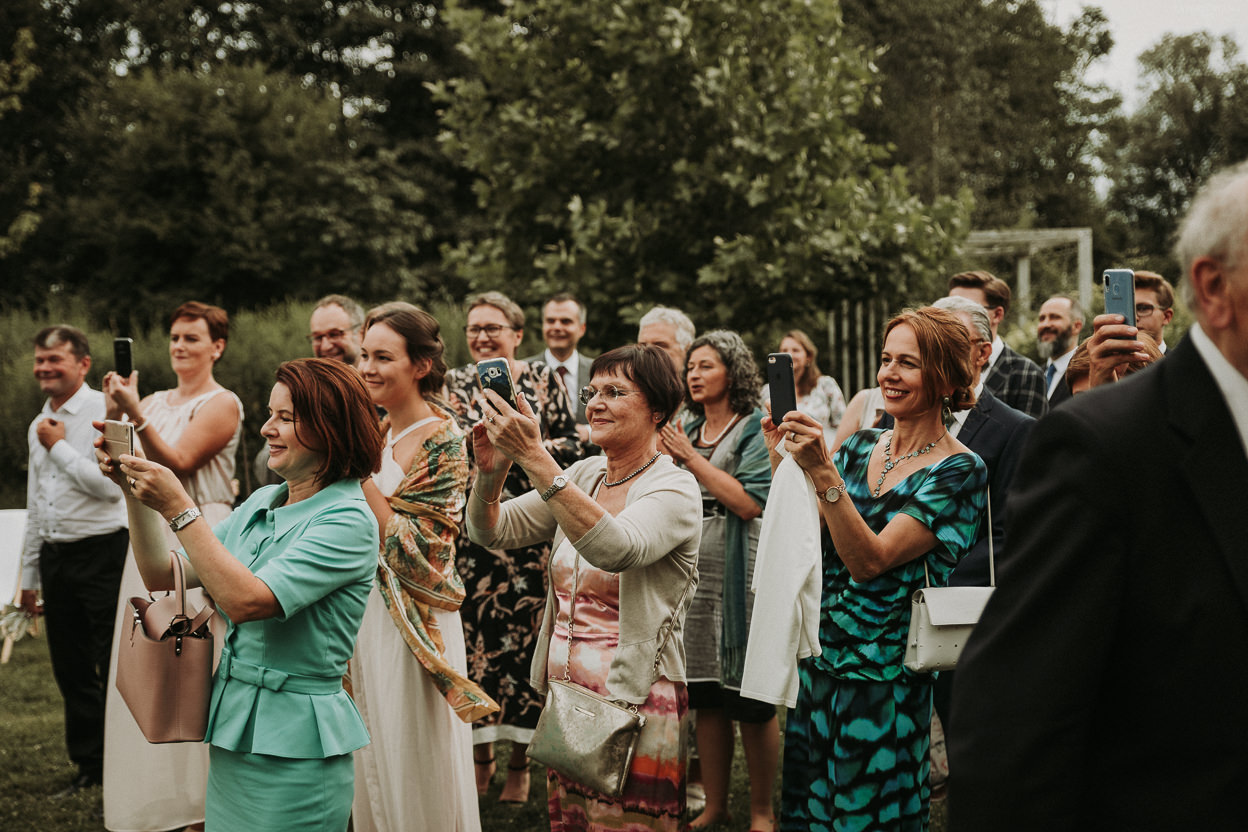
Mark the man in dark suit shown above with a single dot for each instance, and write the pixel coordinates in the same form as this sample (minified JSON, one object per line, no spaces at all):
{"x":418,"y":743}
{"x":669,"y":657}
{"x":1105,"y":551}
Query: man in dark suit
{"x":1012,"y":378}
{"x":1104,"y":687}
{"x":563,"y":326}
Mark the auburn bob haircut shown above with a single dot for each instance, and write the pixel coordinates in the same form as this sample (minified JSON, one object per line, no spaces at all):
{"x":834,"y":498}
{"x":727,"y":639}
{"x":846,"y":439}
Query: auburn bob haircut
{"x":334,"y":415}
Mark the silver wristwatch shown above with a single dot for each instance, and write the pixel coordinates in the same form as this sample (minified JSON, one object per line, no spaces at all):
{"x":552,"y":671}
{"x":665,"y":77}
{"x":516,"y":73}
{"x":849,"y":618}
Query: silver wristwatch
{"x":184,"y":518}
{"x":560,"y":483}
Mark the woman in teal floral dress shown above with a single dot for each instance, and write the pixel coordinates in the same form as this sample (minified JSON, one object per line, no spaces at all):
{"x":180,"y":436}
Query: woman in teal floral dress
{"x":896,"y":502}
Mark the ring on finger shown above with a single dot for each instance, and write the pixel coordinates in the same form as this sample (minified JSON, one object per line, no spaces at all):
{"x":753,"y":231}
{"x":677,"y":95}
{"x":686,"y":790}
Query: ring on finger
{"x":792,"y":436}
{"x":489,"y":419}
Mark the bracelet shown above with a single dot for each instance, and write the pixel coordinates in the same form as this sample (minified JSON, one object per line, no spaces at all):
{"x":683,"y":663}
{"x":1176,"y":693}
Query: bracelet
{"x":139,"y":427}
{"x":477,"y":494}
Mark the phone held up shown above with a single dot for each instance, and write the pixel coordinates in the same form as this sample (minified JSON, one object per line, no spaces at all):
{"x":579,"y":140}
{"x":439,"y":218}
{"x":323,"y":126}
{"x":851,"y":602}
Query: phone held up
{"x":118,"y":438}
{"x":781,"y":385}
{"x":123,"y":356}
{"x":1120,"y":293}
{"x":495,"y":374}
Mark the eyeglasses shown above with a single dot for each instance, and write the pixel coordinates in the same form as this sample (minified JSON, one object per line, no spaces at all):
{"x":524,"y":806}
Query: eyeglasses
{"x":1143,"y":310}
{"x":332,"y":335}
{"x":610,"y":393}
{"x":491,"y":330}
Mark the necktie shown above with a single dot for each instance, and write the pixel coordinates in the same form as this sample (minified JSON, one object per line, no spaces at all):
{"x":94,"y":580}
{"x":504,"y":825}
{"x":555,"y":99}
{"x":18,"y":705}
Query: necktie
{"x":1049,"y":372}
{"x":562,"y":372}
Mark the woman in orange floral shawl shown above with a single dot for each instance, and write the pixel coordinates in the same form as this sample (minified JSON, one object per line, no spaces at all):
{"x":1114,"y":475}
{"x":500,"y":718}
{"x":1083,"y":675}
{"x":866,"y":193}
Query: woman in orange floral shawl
{"x":409,"y":673}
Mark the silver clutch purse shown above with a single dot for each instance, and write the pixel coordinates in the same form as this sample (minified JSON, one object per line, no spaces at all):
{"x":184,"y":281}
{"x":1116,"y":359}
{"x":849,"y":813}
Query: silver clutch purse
{"x":586,"y":737}
{"x":583,"y":735}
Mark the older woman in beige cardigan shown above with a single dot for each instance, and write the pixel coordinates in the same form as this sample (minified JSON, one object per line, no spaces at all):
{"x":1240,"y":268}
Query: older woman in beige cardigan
{"x":626,"y":527}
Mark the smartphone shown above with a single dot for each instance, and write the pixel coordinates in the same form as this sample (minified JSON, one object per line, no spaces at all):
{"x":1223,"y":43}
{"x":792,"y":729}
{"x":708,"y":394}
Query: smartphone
{"x":495,"y":374}
{"x":118,"y":438}
{"x":1120,"y":293}
{"x":123,"y":356}
{"x":781,"y":386}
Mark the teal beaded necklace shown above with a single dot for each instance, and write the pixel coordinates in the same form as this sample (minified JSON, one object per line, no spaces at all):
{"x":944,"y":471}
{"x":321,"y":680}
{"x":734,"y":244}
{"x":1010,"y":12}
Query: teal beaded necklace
{"x":890,"y":463}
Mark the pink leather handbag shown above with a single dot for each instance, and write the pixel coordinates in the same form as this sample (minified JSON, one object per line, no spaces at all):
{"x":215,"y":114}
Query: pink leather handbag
{"x":164,"y":667}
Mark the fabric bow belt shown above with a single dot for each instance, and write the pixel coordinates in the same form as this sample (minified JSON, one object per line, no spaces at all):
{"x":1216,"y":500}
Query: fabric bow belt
{"x":271,"y":679}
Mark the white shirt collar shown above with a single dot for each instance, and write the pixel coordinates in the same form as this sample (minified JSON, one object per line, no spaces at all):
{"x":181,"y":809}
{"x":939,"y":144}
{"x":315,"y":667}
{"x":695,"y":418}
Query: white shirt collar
{"x":1230,"y":381}
{"x":572,"y":365}
{"x":960,"y":416}
{"x":1061,"y":363}
{"x":998,"y":347}
{"x":74,"y":403}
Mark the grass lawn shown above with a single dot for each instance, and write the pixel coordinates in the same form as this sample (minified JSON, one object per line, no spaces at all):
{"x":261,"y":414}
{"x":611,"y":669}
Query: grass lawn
{"x":33,"y":765}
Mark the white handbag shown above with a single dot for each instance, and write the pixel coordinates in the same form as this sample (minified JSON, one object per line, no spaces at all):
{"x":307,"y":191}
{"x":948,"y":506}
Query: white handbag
{"x":941,"y":618}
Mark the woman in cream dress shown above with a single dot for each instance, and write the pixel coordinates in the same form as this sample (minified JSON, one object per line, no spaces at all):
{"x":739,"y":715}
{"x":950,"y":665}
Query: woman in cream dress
{"x":194,"y":430}
{"x":409,"y":673}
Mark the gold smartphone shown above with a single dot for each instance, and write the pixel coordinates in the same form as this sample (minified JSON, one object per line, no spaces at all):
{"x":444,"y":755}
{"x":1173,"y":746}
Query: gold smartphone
{"x":118,"y":438}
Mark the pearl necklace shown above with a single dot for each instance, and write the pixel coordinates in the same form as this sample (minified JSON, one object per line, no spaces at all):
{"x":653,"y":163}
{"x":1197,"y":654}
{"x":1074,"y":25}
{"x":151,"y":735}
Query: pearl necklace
{"x":657,"y":454}
{"x":713,"y":442}
{"x":890,"y":463}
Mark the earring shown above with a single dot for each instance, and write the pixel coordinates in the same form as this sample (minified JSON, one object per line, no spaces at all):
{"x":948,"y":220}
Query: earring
{"x":946,"y":410}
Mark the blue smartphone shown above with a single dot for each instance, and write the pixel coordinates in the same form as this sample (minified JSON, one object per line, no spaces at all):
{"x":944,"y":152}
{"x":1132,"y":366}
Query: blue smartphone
{"x":495,"y":374}
{"x":1120,"y":293}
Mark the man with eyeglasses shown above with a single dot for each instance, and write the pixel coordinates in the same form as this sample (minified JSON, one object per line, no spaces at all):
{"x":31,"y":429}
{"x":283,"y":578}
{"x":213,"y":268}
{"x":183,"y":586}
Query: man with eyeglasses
{"x":1103,"y":687}
{"x":1154,"y":302}
{"x":1012,"y":377}
{"x":337,"y":327}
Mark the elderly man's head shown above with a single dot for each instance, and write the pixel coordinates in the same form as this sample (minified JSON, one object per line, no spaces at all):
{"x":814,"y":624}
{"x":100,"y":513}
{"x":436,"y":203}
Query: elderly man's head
{"x":670,"y":330}
{"x":1213,"y":251}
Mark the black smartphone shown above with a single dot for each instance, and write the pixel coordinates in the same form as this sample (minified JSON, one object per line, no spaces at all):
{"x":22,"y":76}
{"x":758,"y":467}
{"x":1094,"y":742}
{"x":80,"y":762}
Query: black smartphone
{"x":495,"y":374}
{"x":1120,"y":293}
{"x":123,"y":356}
{"x":781,"y":386}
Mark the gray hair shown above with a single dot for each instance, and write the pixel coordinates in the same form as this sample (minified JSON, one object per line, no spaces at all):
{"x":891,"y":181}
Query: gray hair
{"x":355,"y":312}
{"x":744,"y":383}
{"x":1214,"y":225}
{"x":979,"y":318}
{"x":677,"y":320}
{"x":1076,"y":310}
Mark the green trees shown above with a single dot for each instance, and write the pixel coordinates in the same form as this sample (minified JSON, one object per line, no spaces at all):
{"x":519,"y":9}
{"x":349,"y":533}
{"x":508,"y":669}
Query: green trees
{"x":694,"y":154}
{"x":988,"y":95}
{"x":1193,"y":122}
{"x":235,"y":186}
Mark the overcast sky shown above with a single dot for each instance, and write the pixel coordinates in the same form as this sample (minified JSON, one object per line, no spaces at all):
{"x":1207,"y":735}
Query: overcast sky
{"x":1138,"y":24}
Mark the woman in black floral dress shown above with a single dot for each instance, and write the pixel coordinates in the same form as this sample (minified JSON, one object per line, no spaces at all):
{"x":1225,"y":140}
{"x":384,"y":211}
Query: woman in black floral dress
{"x":506,"y":589}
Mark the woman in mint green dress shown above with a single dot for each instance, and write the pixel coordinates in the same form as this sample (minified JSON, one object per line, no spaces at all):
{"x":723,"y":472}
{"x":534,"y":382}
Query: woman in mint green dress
{"x":290,"y":570}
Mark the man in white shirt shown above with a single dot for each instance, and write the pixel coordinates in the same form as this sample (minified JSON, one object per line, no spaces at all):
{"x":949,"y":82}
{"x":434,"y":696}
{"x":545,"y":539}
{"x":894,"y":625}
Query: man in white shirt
{"x":1117,"y":636}
{"x":1061,"y":321}
{"x":75,"y":544}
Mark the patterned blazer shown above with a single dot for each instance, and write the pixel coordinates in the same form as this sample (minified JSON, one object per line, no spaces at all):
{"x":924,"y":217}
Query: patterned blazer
{"x":1017,"y":381}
